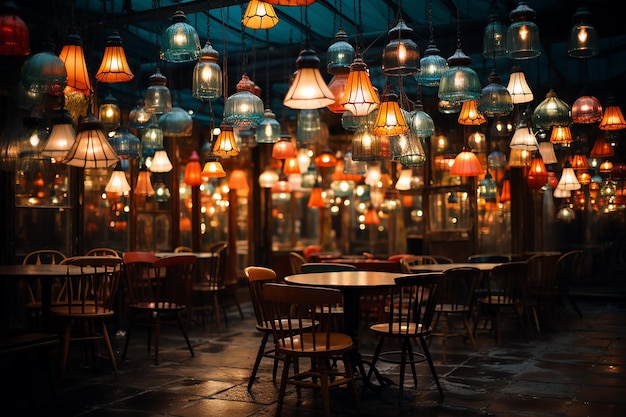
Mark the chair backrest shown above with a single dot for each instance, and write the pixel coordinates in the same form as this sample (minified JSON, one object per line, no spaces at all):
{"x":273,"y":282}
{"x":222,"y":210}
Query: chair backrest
{"x":216,"y":246}
{"x":457,"y":288}
{"x":310,"y":267}
{"x":485,"y":257}
{"x":408,"y":261}
{"x":102,"y":252}
{"x":296,"y":260}
{"x":412,"y":303}
{"x":507,"y":283}
{"x":257,"y":276}
{"x":542,"y":272}
{"x":568,"y":268}
{"x":139,"y":272}
{"x":302,"y":305}
{"x":174,"y":277}
{"x":44,"y":256}
{"x":443,"y":259}
{"x":215,"y":267}
{"x":181,"y":249}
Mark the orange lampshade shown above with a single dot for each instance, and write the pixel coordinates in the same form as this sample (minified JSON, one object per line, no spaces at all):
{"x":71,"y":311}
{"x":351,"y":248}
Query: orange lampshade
{"x":284,"y":148}
{"x":339,"y":174}
{"x":371,"y":216}
{"x":291,"y":166}
{"x":226,"y":144}
{"x":605,"y":167}
{"x":73,"y":57}
{"x":579,"y":162}
{"x":466,"y":164}
{"x":601,"y":148}
{"x":505,"y":193}
{"x":469,"y":115}
{"x":144,"y":184}
{"x":337,"y":86}
{"x":259,"y":15}
{"x":561,"y":135}
{"x":238,"y":180}
{"x":114,"y":67}
{"x":360,"y":97}
{"x":612,"y":119}
{"x":325,"y":159}
{"x":316,"y":200}
{"x":212,"y":168}
{"x":290,"y":2}
{"x":193,"y":170}
{"x":537,"y":173}
{"x":390,"y":120}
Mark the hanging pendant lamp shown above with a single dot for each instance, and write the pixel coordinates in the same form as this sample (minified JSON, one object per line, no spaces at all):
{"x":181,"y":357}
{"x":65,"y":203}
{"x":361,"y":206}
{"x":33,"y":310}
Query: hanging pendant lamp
{"x":225,"y":143}
{"x":586,"y":110}
{"x":494,"y":36}
{"x":400,"y":56}
{"x":268,"y":131}
{"x":420,"y":122}
{"x":360,"y":97}
{"x":243,"y":109}
{"x":583,"y":38}
{"x":114,"y":67}
{"x":612,"y":119}
{"x":158,"y":99}
{"x":522,"y":38}
{"x":44,"y":73}
{"x":193,"y":170}
{"x":432,"y":64}
{"x":308,"y":89}
{"x":91,"y":149}
{"x":390,"y":119}
{"x":469,"y":115}
{"x":14,"y":33}
{"x":207,"y":75}
{"x":118,"y":183}
{"x":466,"y":164}
{"x":601,"y":148}
{"x":259,"y":15}
{"x":213,"y":168}
{"x":366,"y":145}
{"x":339,"y":54}
{"x":552,"y":112}
{"x":125,"y":144}
{"x":518,"y":87}
{"x":176,"y":123}
{"x":460,"y":82}
{"x":180,"y":40}
{"x":62,"y":136}
{"x":144,"y":184}
{"x":73,"y":57}
{"x":495,"y":99}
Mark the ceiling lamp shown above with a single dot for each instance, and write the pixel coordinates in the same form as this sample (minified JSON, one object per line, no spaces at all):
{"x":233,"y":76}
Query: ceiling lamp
{"x":519,"y":158}
{"x":118,"y":183}
{"x":494,"y":36}
{"x":561,"y":135}
{"x":404,"y":181}
{"x":139,"y":117}
{"x":308,"y":89}
{"x":518,"y":87}
{"x":161,"y":162}
{"x":469,"y":115}
{"x":226,"y":143}
{"x":44,"y":73}
{"x":546,"y":149}
{"x":420,"y":122}
{"x":552,"y":112}
{"x":400,"y":56}
{"x":109,"y":113}
{"x":390,"y":119}
{"x":62,"y":136}
{"x":14,"y":34}
{"x":339,"y":54}
{"x":176,"y":123}
{"x":125,"y":144}
{"x":524,"y":138}
{"x":601,"y":148}
{"x":259,"y":15}
{"x":568,"y":180}
{"x":413,"y":154}
{"x":309,"y":127}
{"x":193,"y":170}
{"x":284,"y":148}
{"x":487,"y":189}
{"x":180,"y":40}
{"x":522,"y":37}
{"x":612,"y":119}
{"x":268,"y":178}
{"x":586,"y":109}
{"x":360,"y":97}
{"x":238,"y":180}
{"x":477,"y":142}
{"x":213,"y":168}
{"x":325,"y":159}
{"x":496,"y":160}
{"x":114,"y":67}
{"x":460,"y":82}
{"x":352,"y":167}
{"x":505,"y":192}
{"x":158,"y":98}
{"x":583,"y":38}
{"x":580,"y":162}
{"x":73,"y":57}
{"x":144,"y":184}
{"x":291,"y":166}
{"x":466,"y":164}
{"x":91,"y":149}
{"x":243,"y":109}
{"x":537,"y":173}
{"x":432,"y":64}
{"x":495,"y":99}
{"x":337,"y":86}
{"x":268,"y":131}
{"x":151,"y":140}
{"x":365,"y":145}
{"x":282,"y":185}
{"x":207,"y":74}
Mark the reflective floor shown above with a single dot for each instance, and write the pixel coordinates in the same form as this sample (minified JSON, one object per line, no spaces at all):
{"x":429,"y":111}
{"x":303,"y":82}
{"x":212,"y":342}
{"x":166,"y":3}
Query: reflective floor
{"x":575,"y":367}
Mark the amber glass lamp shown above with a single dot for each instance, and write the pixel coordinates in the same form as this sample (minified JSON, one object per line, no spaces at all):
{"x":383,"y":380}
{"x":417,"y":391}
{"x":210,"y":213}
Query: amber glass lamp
{"x":390,"y":120}
{"x":325,"y":159}
{"x":225,"y":143}
{"x":360,"y":97}
{"x":466,"y":164}
{"x":561,"y":135}
{"x":291,"y":166}
{"x":400,"y":56}
{"x":580,"y":162}
{"x":316,"y":200}
{"x":193,"y":170}
{"x":284,"y":148}
{"x":371,"y":216}
{"x":308,"y":89}
{"x":213,"y":168}
{"x":469,"y":115}
{"x":612,"y":119}
{"x":73,"y":57}
{"x":259,"y":15}
{"x":114,"y":67}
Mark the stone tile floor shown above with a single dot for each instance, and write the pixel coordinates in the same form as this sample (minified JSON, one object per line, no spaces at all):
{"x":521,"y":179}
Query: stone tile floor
{"x":573,"y":368}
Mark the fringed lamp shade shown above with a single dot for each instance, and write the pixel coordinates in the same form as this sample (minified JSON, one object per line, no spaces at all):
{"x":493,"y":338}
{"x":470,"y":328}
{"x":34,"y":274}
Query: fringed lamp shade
{"x":158,"y":98}
{"x":390,"y":120}
{"x":225,"y":143}
{"x":469,"y":115}
{"x":561,"y":135}
{"x":62,"y":136}
{"x":193,"y":170}
{"x":144,"y":184}
{"x":360,"y":97}
{"x":612,"y":119}
{"x":180,"y":41}
{"x":259,"y":15}
{"x":243,"y":109}
{"x":213,"y":168}
{"x":91,"y":149}
{"x":518,"y":86}
{"x":586,"y":109}
{"x":308,"y":89}
{"x":601,"y":148}
{"x":114,"y":67}
{"x":522,"y":38}
{"x":401,"y":56}
{"x":580,"y":162}
{"x":207,"y":75}
{"x":460,"y":83}
{"x":73,"y":57}
{"x":14,"y":34}
{"x":466,"y":164}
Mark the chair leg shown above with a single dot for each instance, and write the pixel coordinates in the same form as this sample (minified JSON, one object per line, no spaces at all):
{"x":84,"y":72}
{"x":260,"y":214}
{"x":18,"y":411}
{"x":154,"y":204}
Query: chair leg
{"x":157,"y":337}
{"x":283,"y":386}
{"x":379,"y":347}
{"x":107,"y":341}
{"x":257,"y":361}
{"x":470,"y":336}
{"x":431,"y":365}
{"x":181,"y":324}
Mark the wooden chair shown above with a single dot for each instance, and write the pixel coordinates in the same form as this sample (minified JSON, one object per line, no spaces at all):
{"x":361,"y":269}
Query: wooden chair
{"x":182,"y":249}
{"x":321,"y":346}
{"x":296,"y":260}
{"x":568,"y":269}
{"x":408,"y":261}
{"x":398,"y":257}
{"x":87,"y":305}
{"x":208,"y":289}
{"x":410,"y":310}
{"x":443,"y":259}
{"x":455,"y":302}
{"x":542,"y":291}
{"x":159,"y":293}
{"x":102,"y":252}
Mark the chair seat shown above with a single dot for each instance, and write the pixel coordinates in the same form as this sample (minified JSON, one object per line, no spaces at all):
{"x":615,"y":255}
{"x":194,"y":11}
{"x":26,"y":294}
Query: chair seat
{"x":399,"y":329}
{"x":314,"y":344}
{"x":86,"y":311}
{"x":159,"y":306}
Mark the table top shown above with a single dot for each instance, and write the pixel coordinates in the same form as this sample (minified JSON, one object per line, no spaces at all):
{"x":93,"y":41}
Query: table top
{"x":346,"y":279}
{"x":483,"y":266}
{"x":199,"y":255}
{"x":50,"y":270}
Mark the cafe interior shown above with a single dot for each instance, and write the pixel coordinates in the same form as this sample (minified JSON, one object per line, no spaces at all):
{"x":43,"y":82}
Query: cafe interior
{"x":319,"y":131}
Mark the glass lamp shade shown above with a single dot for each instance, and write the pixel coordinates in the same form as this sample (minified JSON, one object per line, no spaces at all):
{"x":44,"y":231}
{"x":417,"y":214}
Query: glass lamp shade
{"x":109,"y":113}
{"x":612,"y":119}
{"x":139,"y":117}
{"x":601,"y":148}
{"x":339,"y":173}
{"x":449,"y":107}
{"x":561,"y":135}
{"x":583,"y":38}
{"x":91,"y":149}
{"x":268,"y":178}
{"x":496,"y":160}
{"x":365,"y":145}
{"x":207,"y":75}
{"x":268,"y":131}
{"x":212,"y":168}
{"x":176,"y":123}
{"x":398,"y":145}
{"x":144,"y":184}
{"x":125,"y":144}
{"x":339,"y":54}
{"x":282,"y":185}
{"x":432,"y":66}
{"x":309,"y":126}
{"x":420,"y":122}
{"x":460,"y":82}
{"x":117,"y":183}
{"x":161,"y":162}
{"x":352,"y":167}
{"x":524,"y":138}
{"x":552,"y":111}
{"x":243,"y":109}
{"x":466,"y":164}
{"x":586,"y":109}
{"x":308,"y":89}
{"x":518,"y":86}
{"x":14,"y":33}
{"x":73,"y":57}
{"x":337,"y":86}
{"x":226,"y":143}
{"x":494,"y":38}
{"x":259,"y":15}
{"x":568,"y":180}
{"x":151,"y":140}
{"x":413,"y":155}
{"x":495,"y":99}
{"x":114,"y":67}
{"x":546,"y":149}
{"x":390,"y":120}
{"x":284,"y":148}
{"x":360,"y":97}
{"x":309,"y":176}
{"x":469,"y":115}
{"x":44,"y":73}
{"x":62,"y":136}
{"x":158,"y":98}
{"x":325,"y":159}
{"x":522,"y":37}
{"x":401,"y":56}
{"x":180,"y":41}
{"x":193,"y":170}
{"x":291,"y":166}
{"x":537,"y":173}
{"x":403,"y":183}
{"x":487,"y":189}
{"x":477,"y":141}
{"x":519,"y":157}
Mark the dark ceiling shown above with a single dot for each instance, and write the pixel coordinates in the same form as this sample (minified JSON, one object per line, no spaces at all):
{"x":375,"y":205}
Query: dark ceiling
{"x":270,"y":55}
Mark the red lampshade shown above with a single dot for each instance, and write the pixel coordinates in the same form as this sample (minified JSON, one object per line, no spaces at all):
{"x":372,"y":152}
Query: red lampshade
{"x":316,"y":200}
{"x":537,"y":173}
{"x":601,"y":148}
{"x":371,"y":217}
{"x":73,"y":57}
{"x":193,"y":170}
{"x":291,"y":166}
{"x":325,"y":159}
{"x":466,"y":164}
{"x":284,"y":148}
{"x":14,"y":34}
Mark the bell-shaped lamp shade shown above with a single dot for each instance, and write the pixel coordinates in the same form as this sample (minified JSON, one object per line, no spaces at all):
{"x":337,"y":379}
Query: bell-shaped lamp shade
{"x":308,"y":89}
{"x":212,"y":168}
{"x":91,"y":149}
{"x":44,"y":73}
{"x":268,"y":131}
{"x":518,"y":86}
{"x":139,"y":117}
{"x":580,"y":162}
{"x":176,"y":123}
{"x":238,"y":180}
{"x":537,"y":173}
{"x":360,"y":97}
{"x":612,"y":119}
{"x":144,"y":184}
{"x":403,"y":183}
{"x":207,"y":75}
{"x":284,"y":148}
{"x":193,"y":170}
{"x":568,"y":180}
{"x":466,"y":164}
{"x":601,"y":148}
{"x":316,"y":200}
{"x":469,"y":115}
{"x":339,"y":54}
{"x":226,"y":143}
{"x":583,"y":37}
{"x":180,"y":41}
{"x":371,"y":216}
{"x":337,"y":86}
{"x":259,"y":15}
{"x":524,"y":138}
{"x":420,"y":122}
{"x":62,"y":136}
{"x":522,"y":37}
{"x":117,"y":183}
{"x":109,"y":113}
{"x":401,"y":56}
{"x":73,"y":57}
{"x":460,"y":83}
{"x":390,"y":119}
{"x":14,"y":33}
{"x":325,"y":159}
{"x":114,"y":67}
{"x":432,"y":66}
{"x":243,"y":109}
{"x":586,"y":109}
{"x":158,"y":98}
{"x":151,"y":140}
{"x":495,"y":99}
{"x":546,"y":149}
{"x":161,"y":162}
{"x":519,"y":157}
{"x":552,"y":111}
{"x":413,"y":155}
{"x":561,"y":135}
{"x":291,"y":166}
